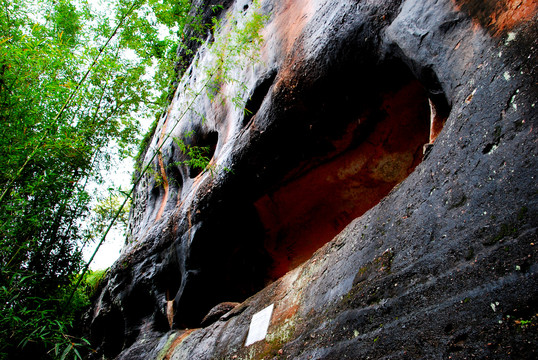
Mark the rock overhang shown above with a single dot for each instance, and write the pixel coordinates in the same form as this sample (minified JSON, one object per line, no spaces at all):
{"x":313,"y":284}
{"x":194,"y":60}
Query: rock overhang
{"x":272,"y":156}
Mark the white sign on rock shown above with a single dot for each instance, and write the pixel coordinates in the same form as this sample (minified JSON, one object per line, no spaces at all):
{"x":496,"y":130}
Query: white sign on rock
{"x":259,"y":325}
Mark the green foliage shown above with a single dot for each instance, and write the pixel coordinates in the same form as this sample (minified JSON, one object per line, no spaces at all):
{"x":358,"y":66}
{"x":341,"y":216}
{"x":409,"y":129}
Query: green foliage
{"x":234,"y":48}
{"x":91,"y":283}
{"x":71,"y":79}
{"x":36,"y":327}
{"x":197,"y":156}
{"x":144,"y":143}
{"x":66,"y":22}
{"x":107,"y":209}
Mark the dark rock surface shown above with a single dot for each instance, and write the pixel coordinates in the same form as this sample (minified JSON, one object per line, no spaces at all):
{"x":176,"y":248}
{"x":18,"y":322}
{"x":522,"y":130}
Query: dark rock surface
{"x":366,"y":247}
{"x":217,"y":312}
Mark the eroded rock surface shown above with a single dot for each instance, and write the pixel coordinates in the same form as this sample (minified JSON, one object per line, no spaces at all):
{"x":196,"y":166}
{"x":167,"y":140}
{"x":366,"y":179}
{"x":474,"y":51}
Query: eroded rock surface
{"x":382,"y":192}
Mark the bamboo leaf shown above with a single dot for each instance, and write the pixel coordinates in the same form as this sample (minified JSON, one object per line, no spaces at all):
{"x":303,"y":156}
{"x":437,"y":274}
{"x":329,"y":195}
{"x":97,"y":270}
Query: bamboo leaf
{"x":66,"y":351}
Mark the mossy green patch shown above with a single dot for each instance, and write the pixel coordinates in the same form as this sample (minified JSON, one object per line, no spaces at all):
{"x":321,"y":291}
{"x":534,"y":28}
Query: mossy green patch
{"x":166,"y":348}
{"x":277,"y":339}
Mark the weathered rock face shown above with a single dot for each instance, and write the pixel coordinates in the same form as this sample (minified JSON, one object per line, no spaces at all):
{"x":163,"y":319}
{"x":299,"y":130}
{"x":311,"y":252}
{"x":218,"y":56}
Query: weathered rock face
{"x":383,"y":193}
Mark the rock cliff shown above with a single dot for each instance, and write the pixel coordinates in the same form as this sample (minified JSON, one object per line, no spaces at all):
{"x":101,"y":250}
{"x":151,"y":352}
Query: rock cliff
{"x":379,"y":191}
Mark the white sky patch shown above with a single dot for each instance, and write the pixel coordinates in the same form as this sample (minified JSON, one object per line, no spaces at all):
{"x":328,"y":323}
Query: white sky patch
{"x":108,"y":253}
{"x":119,"y":176}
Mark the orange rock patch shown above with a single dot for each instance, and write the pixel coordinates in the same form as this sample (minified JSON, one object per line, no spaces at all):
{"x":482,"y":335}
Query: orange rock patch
{"x":163,"y":169}
{"x":291,"y":21}
{"x":498,"y":16}
{"x":182,"y":336}
{"x":306,"y":212}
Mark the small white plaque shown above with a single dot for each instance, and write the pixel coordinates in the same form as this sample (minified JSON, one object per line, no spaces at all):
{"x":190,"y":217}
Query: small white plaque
{"x":259,"y":325}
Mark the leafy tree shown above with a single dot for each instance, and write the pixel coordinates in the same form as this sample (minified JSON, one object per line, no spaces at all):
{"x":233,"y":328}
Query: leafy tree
{"x":107,"y":209}
{"x":69,"y":86}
